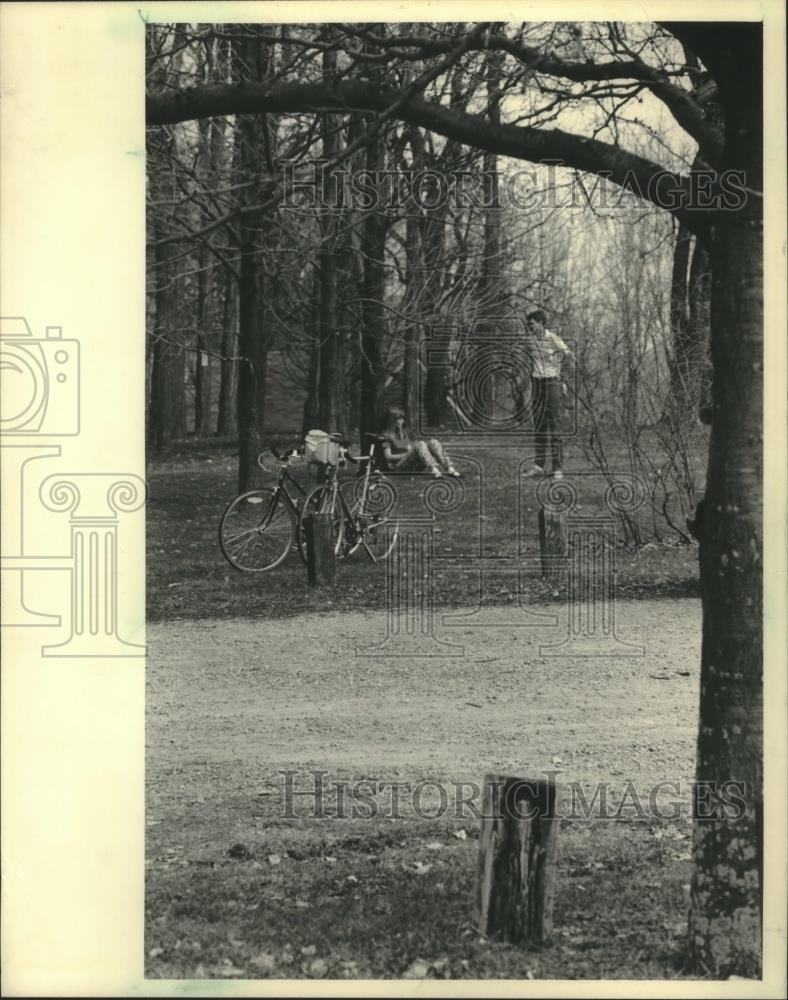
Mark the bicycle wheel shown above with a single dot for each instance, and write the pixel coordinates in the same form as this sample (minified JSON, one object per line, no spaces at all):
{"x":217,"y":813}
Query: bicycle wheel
{"x":378,"y":521}
{"x":257,"y":531}
{"x":318,"y":501}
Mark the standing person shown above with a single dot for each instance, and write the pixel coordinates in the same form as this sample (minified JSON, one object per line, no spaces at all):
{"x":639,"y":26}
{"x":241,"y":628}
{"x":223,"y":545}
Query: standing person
{"x":547,"y":353}
{"x":405,"y":453}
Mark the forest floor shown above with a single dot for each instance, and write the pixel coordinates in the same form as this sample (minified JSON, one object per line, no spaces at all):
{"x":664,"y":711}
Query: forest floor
{"x":256,"y":693}
{"x":187,"y":576}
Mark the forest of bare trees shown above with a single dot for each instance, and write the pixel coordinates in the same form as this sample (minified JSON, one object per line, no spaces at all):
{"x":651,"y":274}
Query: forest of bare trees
{"x":323,"y":198}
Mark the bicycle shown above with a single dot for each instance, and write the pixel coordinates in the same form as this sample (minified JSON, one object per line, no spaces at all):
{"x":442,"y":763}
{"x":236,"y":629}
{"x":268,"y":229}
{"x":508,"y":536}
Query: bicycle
{"x":372,"y":520}
{"x":259,"y":528}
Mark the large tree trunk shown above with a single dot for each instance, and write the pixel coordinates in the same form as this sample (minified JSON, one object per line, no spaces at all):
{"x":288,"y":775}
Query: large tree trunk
{"x":252,"y":341}
{"x":725,"y":909}
{"x":700,"y":325}
{"x":438,"y":376}
{"x":311,"y":414}
{"x":681,"y":346}
{"x":332,"y":368}
{"x":253,"y":352}
{"x":491,"y":282}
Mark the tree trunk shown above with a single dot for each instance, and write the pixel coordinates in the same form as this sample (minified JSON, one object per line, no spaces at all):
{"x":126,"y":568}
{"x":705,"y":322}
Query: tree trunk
{"x":167,"y":368}
{"x":202,"y":387}
{"x":681,"y":334}
{"x":491,"y":284}
{"x":726,"y":897}
{"x":252,"y":340}
{"x":253,"y":352}
{"x":373,"y":244}
{"x":438,"y":376}
{"x":331,"y":385}
{"x":311,"y":414}
{"x":225,"y":423}
{"x":414,"y":281}
{"x":700,"y":325}
{"x":202,"y":371}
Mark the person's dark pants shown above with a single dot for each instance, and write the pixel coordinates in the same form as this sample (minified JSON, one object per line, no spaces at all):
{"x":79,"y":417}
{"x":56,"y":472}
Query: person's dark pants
{"x":546,"y":409}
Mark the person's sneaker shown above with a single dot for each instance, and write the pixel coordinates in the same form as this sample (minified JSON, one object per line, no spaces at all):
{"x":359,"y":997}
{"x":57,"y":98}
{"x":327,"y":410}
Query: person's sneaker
{"x":535,"y":470}
{"x":451,"y":471}
{"x":436,"y":473}
{"x":557,"y":474}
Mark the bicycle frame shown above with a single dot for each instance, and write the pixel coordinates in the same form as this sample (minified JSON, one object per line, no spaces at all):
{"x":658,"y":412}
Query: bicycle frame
{"x":281,"y":488}
{"x":351,"y":521}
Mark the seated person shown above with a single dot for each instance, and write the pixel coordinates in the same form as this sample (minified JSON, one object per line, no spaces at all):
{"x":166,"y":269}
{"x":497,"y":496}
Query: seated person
{"x":405,"y":453}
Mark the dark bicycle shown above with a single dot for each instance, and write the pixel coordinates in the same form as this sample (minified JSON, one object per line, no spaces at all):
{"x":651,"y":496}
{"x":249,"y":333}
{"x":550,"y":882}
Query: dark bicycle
{"x":261,"y":527}
{"x":371,"y":520}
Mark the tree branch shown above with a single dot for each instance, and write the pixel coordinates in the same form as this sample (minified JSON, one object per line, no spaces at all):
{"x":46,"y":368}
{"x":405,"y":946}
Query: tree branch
{"x":635,"y":173}
{"x":679,"y":102}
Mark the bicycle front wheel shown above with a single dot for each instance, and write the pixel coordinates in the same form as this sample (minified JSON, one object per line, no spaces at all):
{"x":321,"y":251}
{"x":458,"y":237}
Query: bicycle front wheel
{"x":257,"y":531}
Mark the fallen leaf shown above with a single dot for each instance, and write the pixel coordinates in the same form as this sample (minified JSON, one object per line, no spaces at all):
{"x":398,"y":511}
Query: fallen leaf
{"x":264,"y":962}
{"x":309,"y":950}
{"x":318,"y":968}
{"x":420,"y":868}
{"x":416,"y":970}
{"x":434,"y":845}
{"x":274,"y":859}
{"x":460,"y":835}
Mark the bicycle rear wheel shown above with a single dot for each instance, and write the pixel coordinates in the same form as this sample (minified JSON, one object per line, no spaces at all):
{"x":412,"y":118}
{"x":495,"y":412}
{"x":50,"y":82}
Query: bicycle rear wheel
{"x":378,"y":520}
{"x":257,"y":530}
{"x":318,"y":501}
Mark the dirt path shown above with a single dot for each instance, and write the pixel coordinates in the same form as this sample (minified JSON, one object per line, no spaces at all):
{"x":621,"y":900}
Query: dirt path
{"x":232,"y":702}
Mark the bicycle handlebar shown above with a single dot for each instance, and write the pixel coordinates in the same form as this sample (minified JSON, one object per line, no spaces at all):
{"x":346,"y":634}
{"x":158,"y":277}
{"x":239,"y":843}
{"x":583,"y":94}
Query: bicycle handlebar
{"x":290,"y":452}
{"x":285,"y":455}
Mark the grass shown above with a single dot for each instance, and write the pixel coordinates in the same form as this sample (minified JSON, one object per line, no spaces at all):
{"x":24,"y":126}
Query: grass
{"x":313,"y":899}
{"x":187,"y":576}
{"x":234,"y":890}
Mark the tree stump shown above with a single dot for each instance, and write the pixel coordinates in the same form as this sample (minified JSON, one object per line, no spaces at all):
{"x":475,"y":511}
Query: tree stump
{"x":517,"y":859}
{"x":321,"y":564}
{"x":552,"y":543}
